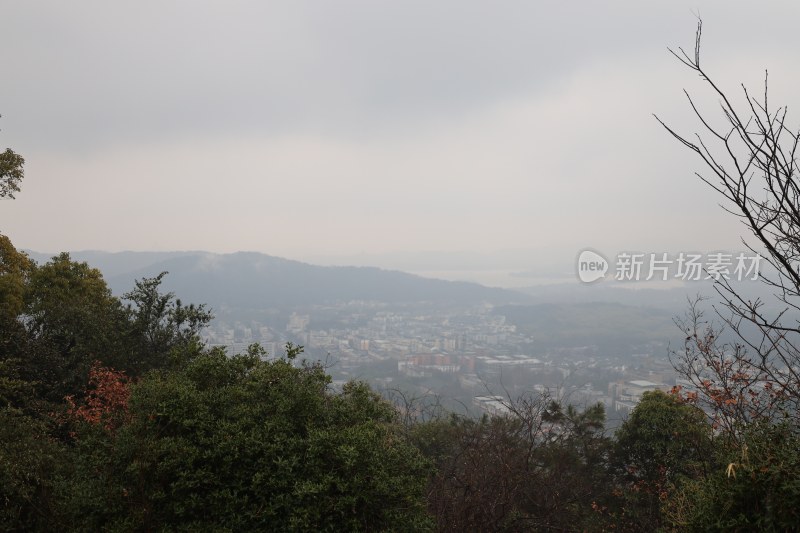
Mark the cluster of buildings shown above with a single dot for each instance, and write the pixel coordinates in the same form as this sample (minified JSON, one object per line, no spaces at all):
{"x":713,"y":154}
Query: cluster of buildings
{"x":471,"y":352}
{"x":362,"y":331}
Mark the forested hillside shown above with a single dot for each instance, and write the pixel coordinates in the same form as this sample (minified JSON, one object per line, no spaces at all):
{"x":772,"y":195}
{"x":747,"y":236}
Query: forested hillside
{"x":116,"y":417}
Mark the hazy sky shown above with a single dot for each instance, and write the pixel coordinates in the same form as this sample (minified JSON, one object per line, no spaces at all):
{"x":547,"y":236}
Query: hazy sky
{"x":309,"y":129}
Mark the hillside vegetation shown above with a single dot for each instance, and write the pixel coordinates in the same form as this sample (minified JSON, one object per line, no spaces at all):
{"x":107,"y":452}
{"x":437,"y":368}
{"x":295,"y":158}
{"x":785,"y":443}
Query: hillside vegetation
{"x":116,"y":417}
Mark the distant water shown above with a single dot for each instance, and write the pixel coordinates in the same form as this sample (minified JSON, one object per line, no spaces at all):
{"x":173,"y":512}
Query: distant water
{"x":515,"y":279}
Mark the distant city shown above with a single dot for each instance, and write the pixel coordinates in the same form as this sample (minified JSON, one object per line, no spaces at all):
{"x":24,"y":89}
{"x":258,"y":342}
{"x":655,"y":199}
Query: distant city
{"x":468,"y":356}
{"x":467,"y":347}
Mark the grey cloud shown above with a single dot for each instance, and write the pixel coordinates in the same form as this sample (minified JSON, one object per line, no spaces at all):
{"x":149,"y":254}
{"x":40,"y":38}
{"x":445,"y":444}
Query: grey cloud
{"x":90,"y":73}
{"x":371,"y":126}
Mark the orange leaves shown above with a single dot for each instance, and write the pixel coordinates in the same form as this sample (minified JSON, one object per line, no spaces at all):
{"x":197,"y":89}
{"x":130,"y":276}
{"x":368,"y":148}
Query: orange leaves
{"x":688,"y":397}
{"x":106,"y":398}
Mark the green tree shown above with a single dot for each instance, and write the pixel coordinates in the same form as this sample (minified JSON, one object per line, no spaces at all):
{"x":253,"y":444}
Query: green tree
{"x":11,"y":172}
{"x":755,"y":489}
{"x":72,"y":319}
{"x":662,"y":444}
{"x":15,"y":271}
{"x":61,"y":317}
{"x":161,"y":327}
{"x":242,"y":444}
{"x":28,"y":459}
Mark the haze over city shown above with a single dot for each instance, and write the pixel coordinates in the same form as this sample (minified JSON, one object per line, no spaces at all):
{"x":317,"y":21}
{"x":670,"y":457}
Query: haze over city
{"x":485,"y":136}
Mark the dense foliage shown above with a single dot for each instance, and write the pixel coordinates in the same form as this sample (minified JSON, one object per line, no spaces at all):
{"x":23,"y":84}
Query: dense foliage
{"x":114,"y":416}
{"x":245,"y":445}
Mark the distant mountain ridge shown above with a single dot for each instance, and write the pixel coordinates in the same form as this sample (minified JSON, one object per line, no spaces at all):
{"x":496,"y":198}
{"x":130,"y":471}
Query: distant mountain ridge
{"x":252,"y":280}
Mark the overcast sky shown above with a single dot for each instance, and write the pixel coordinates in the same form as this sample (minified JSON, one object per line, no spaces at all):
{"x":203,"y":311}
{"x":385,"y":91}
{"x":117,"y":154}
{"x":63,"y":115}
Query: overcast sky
{"x":312,"y":129}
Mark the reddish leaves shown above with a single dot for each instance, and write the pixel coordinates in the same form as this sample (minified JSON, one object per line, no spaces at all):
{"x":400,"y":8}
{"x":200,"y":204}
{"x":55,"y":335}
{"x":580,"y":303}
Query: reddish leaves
{"x":106,"y":398}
